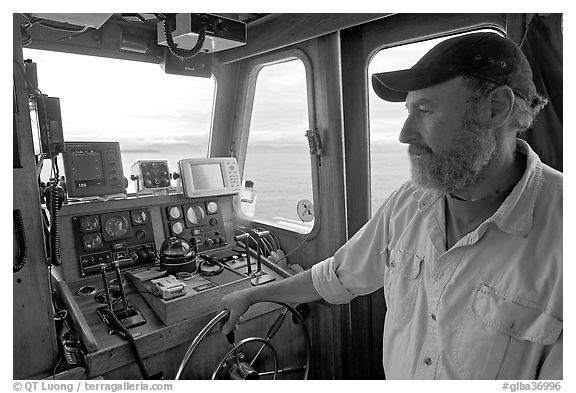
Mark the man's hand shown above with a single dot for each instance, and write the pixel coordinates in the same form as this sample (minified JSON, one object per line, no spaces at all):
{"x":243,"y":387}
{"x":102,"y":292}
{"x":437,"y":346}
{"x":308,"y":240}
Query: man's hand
{"x":237,"y":303}
{"x":292,"y":290}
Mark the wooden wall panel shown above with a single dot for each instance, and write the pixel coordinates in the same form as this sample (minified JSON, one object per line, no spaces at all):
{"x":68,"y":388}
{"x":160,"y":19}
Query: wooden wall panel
{"x":34,"y":338}
{"x":288,"y":29}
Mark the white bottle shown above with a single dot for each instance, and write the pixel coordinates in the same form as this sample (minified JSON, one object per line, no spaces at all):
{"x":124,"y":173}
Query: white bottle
{"x":245,"y":204}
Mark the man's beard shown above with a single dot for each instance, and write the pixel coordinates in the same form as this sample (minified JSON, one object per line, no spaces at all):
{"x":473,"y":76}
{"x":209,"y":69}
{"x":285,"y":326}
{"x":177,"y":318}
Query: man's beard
{"x":458,"y":167}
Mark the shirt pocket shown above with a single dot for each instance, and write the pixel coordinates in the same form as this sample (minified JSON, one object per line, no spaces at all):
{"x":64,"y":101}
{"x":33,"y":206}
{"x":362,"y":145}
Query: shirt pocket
{"x":402,"y":284}
{"x":494,"y":319}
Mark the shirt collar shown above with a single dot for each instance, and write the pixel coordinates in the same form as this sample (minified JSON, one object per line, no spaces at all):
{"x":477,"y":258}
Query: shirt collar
{"x":515,"y":214}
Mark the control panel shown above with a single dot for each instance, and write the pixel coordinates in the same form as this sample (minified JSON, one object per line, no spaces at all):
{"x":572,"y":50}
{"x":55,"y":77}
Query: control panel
{"x":118,"y":235}
{"x":199,"y":221}
{"x":132,"y":230}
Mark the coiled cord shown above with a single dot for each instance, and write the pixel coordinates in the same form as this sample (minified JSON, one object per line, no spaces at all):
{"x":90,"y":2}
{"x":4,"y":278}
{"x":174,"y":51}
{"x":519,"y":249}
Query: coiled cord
{"x":170,"y":26}
{"x":22,"y":253}
{"x":55,"y":252}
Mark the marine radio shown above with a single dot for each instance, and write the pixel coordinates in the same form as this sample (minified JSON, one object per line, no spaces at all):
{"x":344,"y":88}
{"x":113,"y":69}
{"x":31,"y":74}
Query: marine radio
{"x":201,"y":177}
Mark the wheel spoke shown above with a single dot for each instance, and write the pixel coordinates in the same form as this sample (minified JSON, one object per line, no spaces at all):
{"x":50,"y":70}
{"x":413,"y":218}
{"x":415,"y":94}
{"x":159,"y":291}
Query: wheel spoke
{"x":286,"y":370}
{"x":258,"y":354}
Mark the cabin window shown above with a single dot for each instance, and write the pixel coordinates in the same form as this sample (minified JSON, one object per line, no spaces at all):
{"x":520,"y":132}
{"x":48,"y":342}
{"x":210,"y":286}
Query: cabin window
{"x":153,"y":115}
{"x":389,"y":160}
{"x":278,"y":155}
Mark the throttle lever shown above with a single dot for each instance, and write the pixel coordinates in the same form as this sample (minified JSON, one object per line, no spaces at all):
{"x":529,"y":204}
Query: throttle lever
{"x":231,"y":336}
{"x":244,"y":238}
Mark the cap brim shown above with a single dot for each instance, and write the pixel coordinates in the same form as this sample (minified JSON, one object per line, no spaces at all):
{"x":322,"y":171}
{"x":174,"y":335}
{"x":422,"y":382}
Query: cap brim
{"x":394,"y":85}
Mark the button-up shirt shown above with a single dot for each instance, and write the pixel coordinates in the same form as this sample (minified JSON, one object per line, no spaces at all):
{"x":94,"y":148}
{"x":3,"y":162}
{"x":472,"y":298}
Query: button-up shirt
{"x":489,"y":307}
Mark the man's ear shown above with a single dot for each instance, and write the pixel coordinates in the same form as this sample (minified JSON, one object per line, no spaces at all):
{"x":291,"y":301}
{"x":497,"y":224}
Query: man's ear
{"x":501,"y":103}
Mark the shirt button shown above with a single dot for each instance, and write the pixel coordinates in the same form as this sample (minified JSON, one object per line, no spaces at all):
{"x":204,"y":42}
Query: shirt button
{"x":433,"y":316}
{"x":427,"y":361}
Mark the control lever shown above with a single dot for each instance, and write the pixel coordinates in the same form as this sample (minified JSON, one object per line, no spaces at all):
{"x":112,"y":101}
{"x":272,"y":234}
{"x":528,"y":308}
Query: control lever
{"x":244,"y":237}
{"x":106,"y":287}
{"x":260,"y":277}
{"x":114,"y":322}
{"x":259,"y":235}
{"x":116,"y":265}
{"x":128,"y":316}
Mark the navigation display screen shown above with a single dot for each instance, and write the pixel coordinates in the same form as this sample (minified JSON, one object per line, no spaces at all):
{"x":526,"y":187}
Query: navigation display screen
{"x":86,"y":168}
{"x":207,"y":176}
{"x":93,"y":169}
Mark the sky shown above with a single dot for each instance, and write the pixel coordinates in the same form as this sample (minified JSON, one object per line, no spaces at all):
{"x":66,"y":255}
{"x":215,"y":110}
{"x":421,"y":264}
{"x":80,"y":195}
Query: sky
{"x":140,"y":106}
{"x":116,"y":99}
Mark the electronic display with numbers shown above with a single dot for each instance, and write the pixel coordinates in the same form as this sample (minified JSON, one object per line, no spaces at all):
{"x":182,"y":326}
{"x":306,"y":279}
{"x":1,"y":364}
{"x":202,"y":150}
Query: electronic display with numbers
{"x":93,"y":169}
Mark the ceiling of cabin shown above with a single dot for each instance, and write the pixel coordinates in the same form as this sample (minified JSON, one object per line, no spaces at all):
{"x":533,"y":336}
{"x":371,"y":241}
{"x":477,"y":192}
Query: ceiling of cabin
{"x":134,"y":36}
{"x":125,"y":35}
{"x":97,"y":19}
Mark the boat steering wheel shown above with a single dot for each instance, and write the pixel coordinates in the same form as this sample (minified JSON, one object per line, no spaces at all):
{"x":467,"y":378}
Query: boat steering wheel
{"x":235,"y":365}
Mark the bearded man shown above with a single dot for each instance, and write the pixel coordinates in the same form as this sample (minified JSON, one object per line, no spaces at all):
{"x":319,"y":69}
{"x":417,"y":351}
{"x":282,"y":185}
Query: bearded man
{"x":469,"y":251}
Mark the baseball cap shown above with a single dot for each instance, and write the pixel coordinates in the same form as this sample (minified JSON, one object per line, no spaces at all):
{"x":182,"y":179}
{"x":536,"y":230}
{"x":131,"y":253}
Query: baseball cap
{"x":485,"y":55}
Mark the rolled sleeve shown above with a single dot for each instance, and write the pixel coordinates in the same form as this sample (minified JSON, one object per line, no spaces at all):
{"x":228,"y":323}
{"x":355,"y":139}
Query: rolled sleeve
{"x":357,"y":268}
{"x":328,"y":285}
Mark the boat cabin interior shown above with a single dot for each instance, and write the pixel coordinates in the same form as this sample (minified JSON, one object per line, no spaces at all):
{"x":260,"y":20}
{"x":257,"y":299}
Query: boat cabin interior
{"x":162,"y":161}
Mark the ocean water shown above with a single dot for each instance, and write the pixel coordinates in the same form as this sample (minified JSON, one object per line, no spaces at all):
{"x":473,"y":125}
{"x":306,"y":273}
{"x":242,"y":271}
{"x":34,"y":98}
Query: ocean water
{"x":390,"y":168}
{"x":282,"y":174}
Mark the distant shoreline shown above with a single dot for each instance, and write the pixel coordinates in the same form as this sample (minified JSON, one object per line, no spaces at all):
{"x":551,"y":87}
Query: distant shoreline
{"x":141,"y":151}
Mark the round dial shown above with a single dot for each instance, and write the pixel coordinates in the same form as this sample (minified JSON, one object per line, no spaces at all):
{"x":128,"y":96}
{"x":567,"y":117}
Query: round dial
{"x":174,"y":212}
{"x":92,"y":241}
{"x":116,"y":226}
{"x":139,"y":217}
{"x":177,"y":228}
{"x":89,"y":224}
{"x":212,"y":207}
{"x":195,"y":214}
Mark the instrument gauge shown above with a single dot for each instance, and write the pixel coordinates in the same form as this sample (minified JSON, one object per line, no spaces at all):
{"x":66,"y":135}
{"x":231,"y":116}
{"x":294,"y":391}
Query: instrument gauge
{"x":89,"y":224}
{"x":174,"y":212}
{"x":177,"y":227}
{"x":212,"y":207}
{"x":116,"y":226}
{"x":92,"y":241}
{"x":139,"y":217}
{"x":195,"y":214}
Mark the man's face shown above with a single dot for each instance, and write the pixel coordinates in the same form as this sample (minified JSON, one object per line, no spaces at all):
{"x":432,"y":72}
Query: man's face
{"x":449,"y":145}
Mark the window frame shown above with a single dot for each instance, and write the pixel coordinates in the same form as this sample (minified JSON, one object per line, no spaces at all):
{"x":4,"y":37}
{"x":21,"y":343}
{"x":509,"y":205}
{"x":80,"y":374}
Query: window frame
{"x":254,"y":66}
